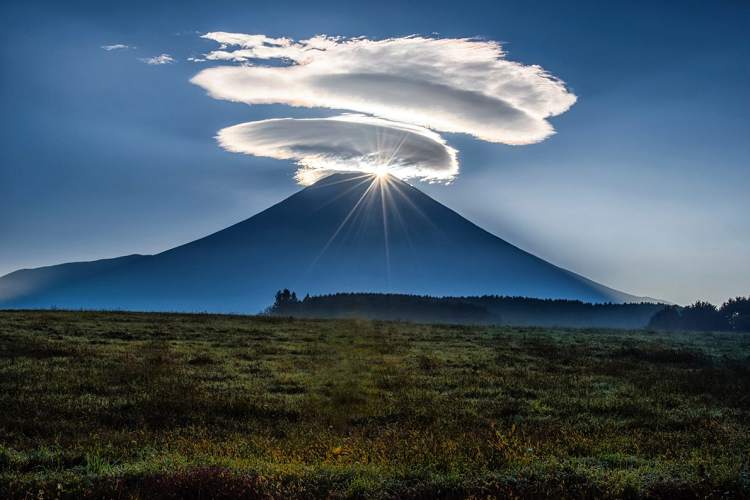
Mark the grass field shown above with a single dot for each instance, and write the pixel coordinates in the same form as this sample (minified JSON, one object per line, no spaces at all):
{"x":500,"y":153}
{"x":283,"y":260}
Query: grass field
{"x":123,"y":405}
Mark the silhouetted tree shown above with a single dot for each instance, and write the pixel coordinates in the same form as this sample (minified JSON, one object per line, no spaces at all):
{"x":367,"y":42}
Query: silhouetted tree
{"x":703,"y":316}
{"x":284,"y":302}
{"x":736,"y":313}
{"x":668,"y":318}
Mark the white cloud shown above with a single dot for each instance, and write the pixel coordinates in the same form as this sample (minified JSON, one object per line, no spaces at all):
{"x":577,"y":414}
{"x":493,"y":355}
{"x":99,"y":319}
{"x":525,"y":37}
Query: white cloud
{"x":160,"y":59}
{"x":345,"y":143}
{"x":450,"y":85}
{"x":116,"y":46}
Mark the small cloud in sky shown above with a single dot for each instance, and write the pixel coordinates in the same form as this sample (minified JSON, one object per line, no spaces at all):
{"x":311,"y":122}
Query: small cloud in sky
{"x":116,"y":46}
{"x":346,"y":143}
{"x":160,"y":59}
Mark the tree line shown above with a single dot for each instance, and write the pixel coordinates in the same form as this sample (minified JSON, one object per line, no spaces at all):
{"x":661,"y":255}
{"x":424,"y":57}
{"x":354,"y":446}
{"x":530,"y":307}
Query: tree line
{"x":488,"y":309}
{"x":733,"y":315}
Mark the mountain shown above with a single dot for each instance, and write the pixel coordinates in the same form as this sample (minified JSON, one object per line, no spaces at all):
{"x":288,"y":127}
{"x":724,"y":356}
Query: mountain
{"x":347,"y":233}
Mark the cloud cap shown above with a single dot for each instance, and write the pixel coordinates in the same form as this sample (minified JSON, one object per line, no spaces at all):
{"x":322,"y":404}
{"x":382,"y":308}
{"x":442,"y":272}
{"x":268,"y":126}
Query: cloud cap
{"x":346,"y":143}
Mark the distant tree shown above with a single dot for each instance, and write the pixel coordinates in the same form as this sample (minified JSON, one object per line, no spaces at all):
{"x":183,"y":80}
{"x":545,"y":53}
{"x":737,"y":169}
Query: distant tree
{"x":736,"y":314}
{"x":703,"y":316}
{"x":668,"y":318}
{"x":284,"y":302}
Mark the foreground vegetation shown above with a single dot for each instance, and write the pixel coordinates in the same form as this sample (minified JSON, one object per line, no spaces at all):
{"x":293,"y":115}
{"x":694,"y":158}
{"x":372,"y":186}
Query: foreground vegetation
{"x":123,"y":405}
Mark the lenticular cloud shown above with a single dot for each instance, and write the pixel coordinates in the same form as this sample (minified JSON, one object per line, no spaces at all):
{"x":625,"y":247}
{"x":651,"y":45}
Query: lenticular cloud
{"x":446,"y":85}
{"x":348,"y":143}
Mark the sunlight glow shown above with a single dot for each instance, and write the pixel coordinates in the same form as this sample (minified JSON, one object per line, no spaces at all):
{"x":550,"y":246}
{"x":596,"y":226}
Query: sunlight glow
{"x":381,"y":171}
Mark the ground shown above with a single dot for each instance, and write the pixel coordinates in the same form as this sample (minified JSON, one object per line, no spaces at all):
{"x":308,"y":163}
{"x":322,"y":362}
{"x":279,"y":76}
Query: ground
{"x":126,"y":405}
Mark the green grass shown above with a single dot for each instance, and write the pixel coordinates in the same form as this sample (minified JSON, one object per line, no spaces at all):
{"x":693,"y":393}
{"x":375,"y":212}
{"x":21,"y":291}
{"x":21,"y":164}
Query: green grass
{"x":124,"y":405}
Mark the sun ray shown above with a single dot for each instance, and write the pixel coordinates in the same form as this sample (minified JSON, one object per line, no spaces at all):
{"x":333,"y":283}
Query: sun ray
{"x":396,"y":150}
{"x":397,"y":214}
{"x":348,"y":216}
{"x":365,"y":178}
{"x":383,"y":182}
{"x":419,"y":211}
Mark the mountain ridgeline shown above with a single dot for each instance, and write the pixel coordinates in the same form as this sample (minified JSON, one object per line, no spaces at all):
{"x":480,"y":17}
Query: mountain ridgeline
{"x":349,"y":232}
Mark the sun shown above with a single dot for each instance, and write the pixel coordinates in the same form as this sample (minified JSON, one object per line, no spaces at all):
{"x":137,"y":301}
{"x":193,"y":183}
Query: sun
{"x":381,"y":171}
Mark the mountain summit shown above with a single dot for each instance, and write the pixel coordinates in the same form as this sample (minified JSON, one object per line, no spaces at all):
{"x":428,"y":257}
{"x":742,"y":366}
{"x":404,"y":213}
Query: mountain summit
{"x":349,"y":232}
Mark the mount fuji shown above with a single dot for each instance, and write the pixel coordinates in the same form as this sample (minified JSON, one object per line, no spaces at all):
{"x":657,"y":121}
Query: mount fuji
{"x":349,"y":232}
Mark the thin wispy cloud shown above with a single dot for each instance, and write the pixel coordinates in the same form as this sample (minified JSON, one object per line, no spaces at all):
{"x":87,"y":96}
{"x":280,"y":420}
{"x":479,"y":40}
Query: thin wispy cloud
{"x":346,"y":143}
{"x":411,"y":85}
{"x":116,"y":46}
{"x":157,"y":60}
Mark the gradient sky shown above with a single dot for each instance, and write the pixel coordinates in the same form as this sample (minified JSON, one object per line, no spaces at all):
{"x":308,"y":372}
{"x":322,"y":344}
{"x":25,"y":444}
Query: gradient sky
{"x":645,"y":187}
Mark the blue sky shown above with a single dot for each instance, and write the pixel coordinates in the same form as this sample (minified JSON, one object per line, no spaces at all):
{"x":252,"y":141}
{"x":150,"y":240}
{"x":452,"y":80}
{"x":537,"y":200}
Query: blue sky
{"x":644,"y":186}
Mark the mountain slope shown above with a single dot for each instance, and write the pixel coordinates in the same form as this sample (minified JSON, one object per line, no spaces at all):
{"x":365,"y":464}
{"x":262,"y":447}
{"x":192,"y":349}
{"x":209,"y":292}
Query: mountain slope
{"x":348,"y":232}
{"x":18,"y":285}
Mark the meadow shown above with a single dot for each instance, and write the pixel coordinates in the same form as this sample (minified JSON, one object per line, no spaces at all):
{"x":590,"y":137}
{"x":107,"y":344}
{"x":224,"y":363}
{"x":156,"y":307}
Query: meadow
{"x":137,"y":405}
